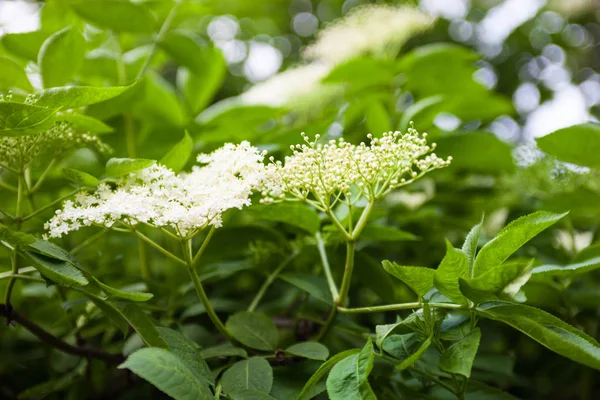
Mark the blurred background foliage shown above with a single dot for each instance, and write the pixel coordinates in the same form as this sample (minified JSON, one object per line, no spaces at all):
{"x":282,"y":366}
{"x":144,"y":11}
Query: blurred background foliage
{"x":485,"y":80}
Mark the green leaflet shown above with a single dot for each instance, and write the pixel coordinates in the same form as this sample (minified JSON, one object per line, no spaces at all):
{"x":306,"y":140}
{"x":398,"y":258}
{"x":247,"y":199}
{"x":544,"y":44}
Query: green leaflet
{"x":311,"y":350}
{"x":419,"y":279}
{"x":307,"y":391}
{"x":179,"y":155}
{"x":253,"y":329}
{"x":459,"y":357}
{"x":252,"y":374}
{"x":578,"y":144}
{"x":349,"y":377}
{"x":497,"y":283}
{"x":455,"y":265}
{"x":117,"y":167}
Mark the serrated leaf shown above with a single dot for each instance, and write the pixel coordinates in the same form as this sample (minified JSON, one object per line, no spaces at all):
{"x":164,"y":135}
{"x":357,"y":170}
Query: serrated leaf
{"x":223,"y":350}
{"x":295,"y":214}
{"x":168,"y":373}
{"x":458,"y":358}
{"x":117,"y":105}
{"x":454,"y":265}
{"x":80,"y":178}
{"x":546,"y":329}
{"x":567,"y":271}
{"x":252,"y":374}
{"x":61,"y":56}
{"x":179,"y":155}
{"x":122,"y":294}
{"x":117,"y":167}
{"x":188,"y":352}
{"x":57,"y":271}
{"x":470,"y":245}
{"x":116,"y":15}
{"x":313,"y":285}
{"x":511,"y":238}
{"x":349,"y":378}
{"x":85,"y":123}
{"x":141,"y":322}
{"x":419,"y":279}
{"x":402,"y":346}
{"x":13,"y":76}
{"x":17,"y":119}
{"x":68,"y":97}
{"x":503,"y":281}
{"x":577,"y":144}
{"x":15,"y":238}
{"x":311,"y":350}
{"x":307,"y":391}
{"x":52,"y":250}
{"x":414,"y":357}
{"x":255,"y":330}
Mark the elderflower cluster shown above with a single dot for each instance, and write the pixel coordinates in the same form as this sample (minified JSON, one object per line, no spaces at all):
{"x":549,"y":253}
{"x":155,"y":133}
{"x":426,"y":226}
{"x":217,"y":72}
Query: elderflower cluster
{"x":185,"y":203}
{"x":58,"y":141}
{"x":322,"y":174}
{"x":368,"y":29}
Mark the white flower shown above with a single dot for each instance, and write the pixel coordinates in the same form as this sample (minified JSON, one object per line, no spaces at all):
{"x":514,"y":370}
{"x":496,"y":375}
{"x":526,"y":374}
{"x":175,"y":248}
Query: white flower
{"x":367,"y":29}
{"x":289,"y":87}
{"x":323,"y":174}
{"x":185,"y":203}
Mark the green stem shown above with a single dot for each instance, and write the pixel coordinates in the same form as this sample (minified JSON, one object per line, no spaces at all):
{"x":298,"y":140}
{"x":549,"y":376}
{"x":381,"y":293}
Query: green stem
{"x":8,"y":186}
{"x":49,"y":205}
{"x":43,"y":176}
{"x":6,"y":167}
{"x":400,"y":306}
{"x":160,"y":248}
{"x":270,"y":279}
{"x":25,"y":270}
{"x":362,"y":221}
{"x":24,"y":278}
{"x":187,"y":246}
{"x":159,"y":37}
{"x":209,"y":235}
{"x":337,"y":223}
{"x":15,"y":255}
{"x":434,"y":379}
{"x":326,"y":267}
{"x":143,"y":260}
{"x":89,"y":241}
{"x":340,"y":300}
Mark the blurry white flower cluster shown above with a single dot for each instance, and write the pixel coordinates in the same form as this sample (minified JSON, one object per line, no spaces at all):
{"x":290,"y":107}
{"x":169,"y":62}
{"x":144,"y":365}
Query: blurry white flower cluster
{"x":372,"y":29}
{"x":380,"y":30}
{"x":184,"y":203}
{"x":323,"y":174}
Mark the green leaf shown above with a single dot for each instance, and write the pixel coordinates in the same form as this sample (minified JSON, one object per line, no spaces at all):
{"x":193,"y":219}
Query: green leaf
{"x":255,"y":330}
{"x":314,"y":285}
{"x":568,"y":271}
{"x":133,"y":296}
{"x":223,"y":350}
{"x":252,"y":374}
{"x":117,"y":167}
{"x":17,"y":119}
{"x":577,"y":144}
{"x":160,"y":103}
{"x":68,"y":97}
{"x":383,"y":233}
{"x":470,"y":245}
{"x":546,"y":329}
{"x":15,"y":238}
{"x":13,"y":76}
{"x":497,"y":283}
{"x":179,"y":155}
{"x":185,"y":47}
{"x":140,"y":321}
{"x":250,"y":395}
{"x":61,"y":56}
{"x":168,"y":373}
{"x":111,"y":311}
{"x":116,"y":15}
{"x":414,"y":357}
{"x":480,"y":391}
{"x":362,"y":73}
{"x":26,"y":44}
{"x":57,"y":271}
{"x":117,"y":105}
{"x":349,"y":378}
{"x":419,"y":279}
{"x":413,"y":110}
{"x":377,"y":118}
{"x":80,"y":178}
{"x":403,"y":345}
{"x":312,"y":350}
{"x":51,"y":250}
{"x":511,"y":238}
{"x":307,"y":391}
{"x":188,"y":352}
{"x":295,"y":214}
{"x":85,"y":123}
{"x":458,"y":358}
{"x":477,"y":152}
{"x":454,"y":265}
{"x":199,"y":86}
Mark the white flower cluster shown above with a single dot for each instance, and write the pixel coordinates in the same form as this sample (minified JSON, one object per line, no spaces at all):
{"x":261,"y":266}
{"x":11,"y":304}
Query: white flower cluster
{"x":58,"y":141}
{"x":368,"y":29}
{"x":184,"y":203}
{"x":322,"y":173}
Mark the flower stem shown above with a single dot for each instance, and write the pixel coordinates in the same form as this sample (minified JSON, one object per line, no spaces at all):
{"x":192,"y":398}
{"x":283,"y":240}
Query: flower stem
{"x":400,"y":306}
{"x":340,"y":300}
{"x":187,"y":247}
{"x":49,"y":205}
{"x":362,"y":221}
{"x":15,"y":255}
{"x":270,"y":279}
{"x":209,"y":235}
{"x":160,"y":248}
{"x":43,"y":176}
{"x":326,"y":267}
{"x":89,"y":241}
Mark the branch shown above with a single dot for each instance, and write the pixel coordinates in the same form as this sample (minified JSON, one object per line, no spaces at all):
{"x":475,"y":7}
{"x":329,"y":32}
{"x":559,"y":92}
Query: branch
{"x":45,"y":336}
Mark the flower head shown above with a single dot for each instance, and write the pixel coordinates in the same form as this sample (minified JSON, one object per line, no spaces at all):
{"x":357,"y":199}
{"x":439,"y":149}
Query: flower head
{"x":323,"y":174}
{"x":367,"y":29}
{"x":184,"y":203}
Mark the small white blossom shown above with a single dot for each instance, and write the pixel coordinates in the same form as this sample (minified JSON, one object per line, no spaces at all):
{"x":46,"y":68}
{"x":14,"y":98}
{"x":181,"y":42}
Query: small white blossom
{"x":322,"y":174}
{"x":368,"y":29}
{"x":185,"y":203}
